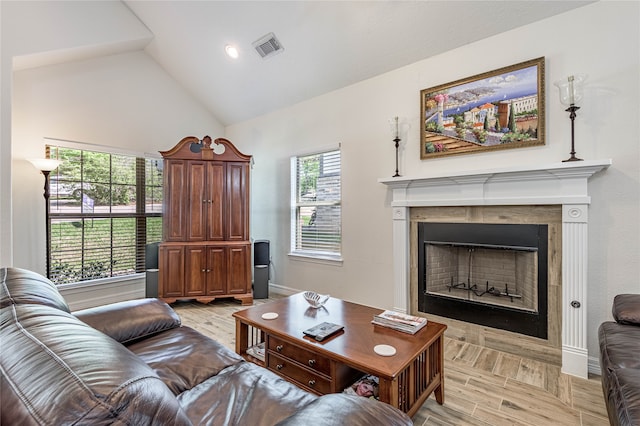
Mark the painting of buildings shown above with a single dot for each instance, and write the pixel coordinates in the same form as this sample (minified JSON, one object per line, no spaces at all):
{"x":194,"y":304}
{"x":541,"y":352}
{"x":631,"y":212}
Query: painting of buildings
{"x":499,"y":109}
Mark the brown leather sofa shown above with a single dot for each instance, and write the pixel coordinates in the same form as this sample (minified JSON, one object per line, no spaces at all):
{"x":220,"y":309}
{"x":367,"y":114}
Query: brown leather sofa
{"x":132,"y":363}
{"x":620,"y":361}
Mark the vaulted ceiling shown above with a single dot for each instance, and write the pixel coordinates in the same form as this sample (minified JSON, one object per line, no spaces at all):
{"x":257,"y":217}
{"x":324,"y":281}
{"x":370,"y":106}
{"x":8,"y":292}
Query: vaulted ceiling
{"x":327,"y":44}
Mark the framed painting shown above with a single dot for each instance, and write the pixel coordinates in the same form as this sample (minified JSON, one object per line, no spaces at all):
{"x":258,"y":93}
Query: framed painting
{"x":498,"y":109}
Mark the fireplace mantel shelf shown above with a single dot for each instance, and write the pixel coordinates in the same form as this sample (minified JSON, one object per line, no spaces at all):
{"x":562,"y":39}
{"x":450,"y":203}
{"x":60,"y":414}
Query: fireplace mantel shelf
{"x":563,"y":184}
{"x":557,"y":183}
{"x":549,"y":171}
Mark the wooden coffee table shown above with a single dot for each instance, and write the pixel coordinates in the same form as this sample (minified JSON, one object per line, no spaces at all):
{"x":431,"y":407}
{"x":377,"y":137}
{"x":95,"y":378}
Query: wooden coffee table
{"x":406,"y":378}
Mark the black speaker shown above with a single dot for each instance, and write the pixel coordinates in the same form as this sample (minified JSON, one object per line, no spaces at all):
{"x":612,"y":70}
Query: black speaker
{"x":151,"y":266}
{"x":261,"y":262}
{"x":151,"y":256}
{"x":261,"y":252}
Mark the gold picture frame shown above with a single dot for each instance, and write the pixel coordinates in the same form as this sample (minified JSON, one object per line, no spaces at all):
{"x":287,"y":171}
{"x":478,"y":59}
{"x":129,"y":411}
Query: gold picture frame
{"x":499,"y":109}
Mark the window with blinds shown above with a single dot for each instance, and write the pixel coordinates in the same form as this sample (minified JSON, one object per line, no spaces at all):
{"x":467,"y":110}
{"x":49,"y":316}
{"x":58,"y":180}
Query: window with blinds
{"x":316,"y":205}
{"x":104,"y":209}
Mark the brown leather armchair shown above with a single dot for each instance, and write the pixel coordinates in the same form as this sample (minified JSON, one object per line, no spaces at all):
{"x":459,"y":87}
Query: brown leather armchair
{"x":133,"y":363}
{"x":620,"y":361}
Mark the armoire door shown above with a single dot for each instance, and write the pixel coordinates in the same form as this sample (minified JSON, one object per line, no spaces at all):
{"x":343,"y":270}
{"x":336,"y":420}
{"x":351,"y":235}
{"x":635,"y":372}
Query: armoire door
{"x":239,"y":269}
{"x":237,"y":201}
{"x":195,"y":277}
{"x":216,"y":201}
{"x":174,"y":221}
{"x":197,"y":201}
{"x":217,"y":264}
{"x":171,"y":266}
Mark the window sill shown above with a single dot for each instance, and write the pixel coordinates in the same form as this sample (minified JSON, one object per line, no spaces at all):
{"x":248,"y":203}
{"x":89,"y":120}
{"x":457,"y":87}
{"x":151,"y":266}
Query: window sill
{"x":326,"y":259}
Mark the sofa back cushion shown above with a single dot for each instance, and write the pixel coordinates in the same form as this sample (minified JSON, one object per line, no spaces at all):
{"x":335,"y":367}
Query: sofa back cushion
{"x":626,"y":309}
{"x":57,"y":370}
{"x":131,"y":320}
{"x":19,"y":286}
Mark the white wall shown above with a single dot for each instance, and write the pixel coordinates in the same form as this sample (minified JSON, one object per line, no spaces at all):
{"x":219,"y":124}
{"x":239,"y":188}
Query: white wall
{"x":35,"y":32}
{"x":123,"y":100}
{"x":601,"y":40}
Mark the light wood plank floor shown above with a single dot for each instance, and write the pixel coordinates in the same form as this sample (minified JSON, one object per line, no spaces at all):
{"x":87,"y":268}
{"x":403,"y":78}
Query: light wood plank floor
{"x":482,"y":386}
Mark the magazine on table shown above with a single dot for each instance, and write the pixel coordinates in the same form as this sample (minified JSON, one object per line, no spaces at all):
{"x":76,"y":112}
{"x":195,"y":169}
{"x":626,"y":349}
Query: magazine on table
{"x":399,"y":321}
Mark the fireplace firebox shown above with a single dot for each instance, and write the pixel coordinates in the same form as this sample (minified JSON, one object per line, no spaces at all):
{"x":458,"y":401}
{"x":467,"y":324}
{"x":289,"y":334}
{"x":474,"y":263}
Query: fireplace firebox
{"x":493,"y":275}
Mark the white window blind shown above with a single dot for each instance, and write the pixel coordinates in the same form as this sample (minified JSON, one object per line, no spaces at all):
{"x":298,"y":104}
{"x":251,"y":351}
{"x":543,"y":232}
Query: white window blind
{"x":316,"y":204}
{"x":104,"y":209}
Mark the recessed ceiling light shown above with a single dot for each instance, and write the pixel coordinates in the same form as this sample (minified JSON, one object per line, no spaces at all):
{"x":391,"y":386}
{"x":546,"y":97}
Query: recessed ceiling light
{"x":232,"y":51}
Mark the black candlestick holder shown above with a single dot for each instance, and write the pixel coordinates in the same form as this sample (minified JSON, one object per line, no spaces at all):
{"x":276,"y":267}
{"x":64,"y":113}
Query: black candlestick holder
{"x":397,"y":141}
{"x":572,"y":115}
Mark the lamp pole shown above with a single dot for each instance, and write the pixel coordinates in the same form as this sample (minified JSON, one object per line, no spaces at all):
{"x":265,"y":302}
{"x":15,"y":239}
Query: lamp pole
{"x":572,"y":115}
{"x":397,"y":141}
{"x":395,"y":129}
{"x":46,"y":166}
{"x":47,"y":223}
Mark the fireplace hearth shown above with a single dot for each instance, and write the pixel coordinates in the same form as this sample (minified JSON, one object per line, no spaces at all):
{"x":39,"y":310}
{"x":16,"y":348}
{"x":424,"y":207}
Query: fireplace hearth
{"x":493,"y":275}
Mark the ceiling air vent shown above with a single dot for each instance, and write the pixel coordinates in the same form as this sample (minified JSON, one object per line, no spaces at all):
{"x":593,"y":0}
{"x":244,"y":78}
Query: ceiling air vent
{"x":268,"y":46}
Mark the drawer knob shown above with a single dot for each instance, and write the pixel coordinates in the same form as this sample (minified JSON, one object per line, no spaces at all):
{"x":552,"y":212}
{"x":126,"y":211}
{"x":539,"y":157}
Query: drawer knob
{"x":312,"y":382}
{"x":312,"y":362}
{"x":279,"y":348}
{"x":279,"y":366}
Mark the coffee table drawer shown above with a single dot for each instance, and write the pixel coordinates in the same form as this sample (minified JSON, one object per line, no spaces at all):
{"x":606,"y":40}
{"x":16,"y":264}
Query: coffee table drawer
{"x":302,"y":376}
{"x":303,"y":356}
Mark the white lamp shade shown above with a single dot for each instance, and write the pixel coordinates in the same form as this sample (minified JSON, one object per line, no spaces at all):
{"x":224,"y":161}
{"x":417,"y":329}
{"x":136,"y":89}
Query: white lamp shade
{"x":571,"y":89}
{"x":45,"y":164}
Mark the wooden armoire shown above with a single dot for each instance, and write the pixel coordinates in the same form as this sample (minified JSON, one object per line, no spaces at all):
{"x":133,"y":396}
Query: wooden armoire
{"x":205,"y":251}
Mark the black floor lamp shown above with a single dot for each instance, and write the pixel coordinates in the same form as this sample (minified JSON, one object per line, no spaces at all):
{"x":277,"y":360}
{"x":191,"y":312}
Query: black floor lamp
{"x":46,"y":166}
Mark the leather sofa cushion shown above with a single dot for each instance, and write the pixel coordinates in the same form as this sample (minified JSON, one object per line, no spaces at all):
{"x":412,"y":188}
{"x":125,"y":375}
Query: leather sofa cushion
{"x":131,"y":320}
{"x":339,"y":410}
{"x":626,"y":308}
{"x":61,"y":371}
{"x":244,"y":394}
{"x":182,"y":358}
{"x":625,"y":396}
{"x":19,"y":286}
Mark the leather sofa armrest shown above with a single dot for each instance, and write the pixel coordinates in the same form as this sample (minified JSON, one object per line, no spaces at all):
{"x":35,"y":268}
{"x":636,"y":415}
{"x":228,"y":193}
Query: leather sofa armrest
{"x":131,"y":320}
{"x":341,"y":409}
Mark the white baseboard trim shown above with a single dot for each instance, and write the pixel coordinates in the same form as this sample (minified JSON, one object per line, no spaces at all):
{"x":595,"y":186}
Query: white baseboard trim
{"x":285,"y":291}
{"x":594,"y":365}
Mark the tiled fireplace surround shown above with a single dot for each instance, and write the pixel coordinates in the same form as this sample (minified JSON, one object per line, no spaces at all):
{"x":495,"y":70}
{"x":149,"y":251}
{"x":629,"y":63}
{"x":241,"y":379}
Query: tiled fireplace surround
{"x":556,"y":194}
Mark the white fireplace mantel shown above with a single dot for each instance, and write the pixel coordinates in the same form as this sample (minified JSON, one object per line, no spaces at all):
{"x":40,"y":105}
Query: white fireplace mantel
{"x":553,"y":184}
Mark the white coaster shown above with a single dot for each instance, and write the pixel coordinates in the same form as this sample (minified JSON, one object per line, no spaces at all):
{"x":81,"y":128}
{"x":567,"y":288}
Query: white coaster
{"x":269,"y":315}
{"x":384,"y":350}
